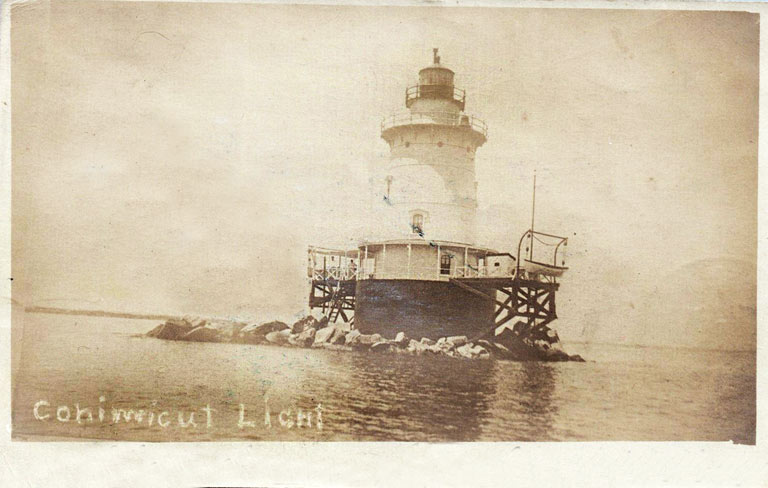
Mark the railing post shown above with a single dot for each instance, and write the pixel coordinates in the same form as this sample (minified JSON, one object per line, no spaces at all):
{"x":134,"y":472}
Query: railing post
{"x":383,"y":259}
{"x":409,"y":260}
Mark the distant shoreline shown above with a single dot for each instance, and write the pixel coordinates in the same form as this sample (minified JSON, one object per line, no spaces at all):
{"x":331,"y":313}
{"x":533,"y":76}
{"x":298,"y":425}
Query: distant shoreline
{"x":99,"y":313}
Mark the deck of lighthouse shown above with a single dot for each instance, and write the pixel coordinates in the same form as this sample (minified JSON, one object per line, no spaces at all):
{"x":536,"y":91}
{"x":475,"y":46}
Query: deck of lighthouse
{"x":427,"y":289}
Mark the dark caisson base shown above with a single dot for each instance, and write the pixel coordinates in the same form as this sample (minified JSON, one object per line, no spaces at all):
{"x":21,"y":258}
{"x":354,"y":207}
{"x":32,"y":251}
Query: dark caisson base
{"x":419,"y":308}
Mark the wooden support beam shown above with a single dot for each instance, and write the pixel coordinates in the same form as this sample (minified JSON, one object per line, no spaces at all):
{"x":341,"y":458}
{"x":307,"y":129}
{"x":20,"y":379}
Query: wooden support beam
{"x":505,"y":306}
{"x":506,"y":319}
{"x":475,"y":291}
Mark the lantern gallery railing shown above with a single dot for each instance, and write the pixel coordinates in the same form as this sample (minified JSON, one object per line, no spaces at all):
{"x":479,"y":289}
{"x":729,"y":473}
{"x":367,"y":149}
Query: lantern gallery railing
{"x":435,"y":118}
{"x":415,"y":92}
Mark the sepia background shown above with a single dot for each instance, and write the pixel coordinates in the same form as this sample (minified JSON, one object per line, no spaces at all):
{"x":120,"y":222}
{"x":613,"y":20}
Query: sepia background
{"x":178,"y":158}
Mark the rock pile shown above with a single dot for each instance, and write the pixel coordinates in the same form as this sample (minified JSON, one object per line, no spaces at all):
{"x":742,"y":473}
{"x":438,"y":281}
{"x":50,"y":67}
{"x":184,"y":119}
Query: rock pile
{"x":195,"y":329}
{"x":309,"y":332}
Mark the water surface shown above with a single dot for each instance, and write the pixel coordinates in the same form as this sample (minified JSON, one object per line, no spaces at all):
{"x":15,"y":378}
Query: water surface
{"x":622,"y":393}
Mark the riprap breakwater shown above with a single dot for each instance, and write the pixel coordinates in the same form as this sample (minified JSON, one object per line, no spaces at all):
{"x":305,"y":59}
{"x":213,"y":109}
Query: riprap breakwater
{"x":541,"y":345}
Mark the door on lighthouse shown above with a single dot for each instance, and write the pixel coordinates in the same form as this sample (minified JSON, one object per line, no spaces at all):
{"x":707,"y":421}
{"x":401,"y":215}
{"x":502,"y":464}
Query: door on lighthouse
{"x":445,"y":264}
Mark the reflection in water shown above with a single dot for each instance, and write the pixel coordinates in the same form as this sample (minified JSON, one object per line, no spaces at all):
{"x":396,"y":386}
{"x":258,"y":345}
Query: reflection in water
{"x":394,"y":397}
{"x":523,"y":406}
{"x":439,"y":399}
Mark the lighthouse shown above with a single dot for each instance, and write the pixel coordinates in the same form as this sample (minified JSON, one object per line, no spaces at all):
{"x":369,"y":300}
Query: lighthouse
{"x":420,"y":269}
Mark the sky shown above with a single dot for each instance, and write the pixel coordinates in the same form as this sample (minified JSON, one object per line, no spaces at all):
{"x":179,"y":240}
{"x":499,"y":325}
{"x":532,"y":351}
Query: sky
{"x":179,"y":158}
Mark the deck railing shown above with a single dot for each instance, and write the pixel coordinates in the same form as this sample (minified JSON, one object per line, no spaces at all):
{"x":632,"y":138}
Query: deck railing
{"x":333,"y":273}
{"x":346,"y":267}
{"x":402,"y":272}
{"x":435,"y":118}
{"x":429,"y":273}
{"x":415,"y":92}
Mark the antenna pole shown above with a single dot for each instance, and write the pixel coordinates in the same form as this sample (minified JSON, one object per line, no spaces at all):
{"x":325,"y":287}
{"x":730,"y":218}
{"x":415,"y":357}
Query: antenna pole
{"x":533,"y":214}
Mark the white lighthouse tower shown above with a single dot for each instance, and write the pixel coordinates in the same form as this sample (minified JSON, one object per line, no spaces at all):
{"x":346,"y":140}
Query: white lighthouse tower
{"x":428,"y":187}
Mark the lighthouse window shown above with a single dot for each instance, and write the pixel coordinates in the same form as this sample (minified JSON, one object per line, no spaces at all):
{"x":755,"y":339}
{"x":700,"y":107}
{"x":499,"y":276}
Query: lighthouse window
{"x":407,"y":144}
{"x":445,"y":264}
{"x":418,"y":223}
{"x":440,"y":144}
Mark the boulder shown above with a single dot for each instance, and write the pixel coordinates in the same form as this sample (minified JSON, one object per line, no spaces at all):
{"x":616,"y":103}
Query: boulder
{"x":577,"y":358}
{"x":179,"y":322}
{"x":308,"y":322}
{"x":540,"y":334}
{"x":556,"y":346}
{"x":471,"y":351}
{"x":416,"y":347}
{"x":345,"y":326}
{"x":202,"y":334}
{"x":339,"y":336}
{"x":226,"y":329}
{"x":171,"y":330}
{"x":377,"y":338}
{"x":194,"y":322}
{"x":366,"y":340}
{"x":236,"y":328}
{"x":487,"y":345}
{"x":427,"y":341}
{"x":156,"y":331}
{"x":444,"y":346}
{"x":552,"y":335}
{"x":279,"y":337}
{"x":303,"y":339}
{"x":518,"y":328}
{"x":457,"y":340}
{"x":496,"y":350}
{"x":382,"y":346}
{"x":541,"y":345}
{"x":508,"y":338}
{"x":480,"y":352}
{"x":256,"y":334}
{"x":351,"y":336}
{"x":556,"y":355}
{"x":465,"y":351}
{"x":323,"y":336}
{"x":401,"y":339}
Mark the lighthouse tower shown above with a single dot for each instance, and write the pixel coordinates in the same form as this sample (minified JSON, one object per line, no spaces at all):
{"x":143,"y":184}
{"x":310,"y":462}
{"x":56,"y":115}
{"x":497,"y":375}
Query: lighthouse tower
{"x":428,"y":187}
